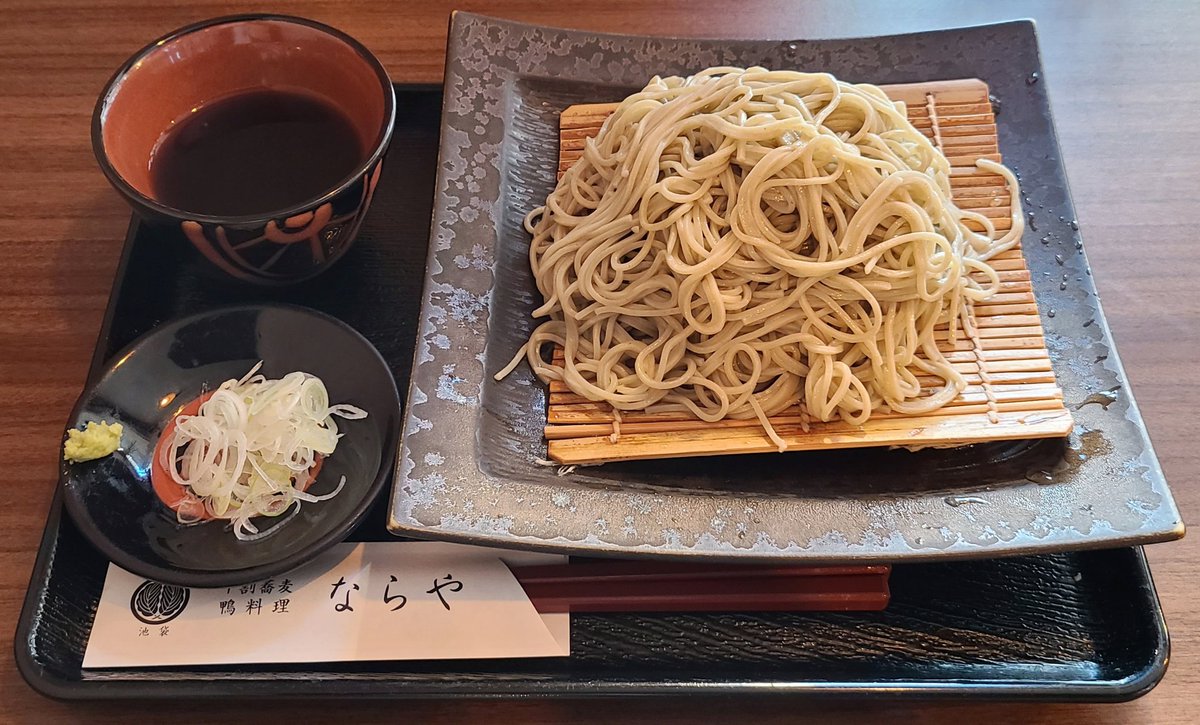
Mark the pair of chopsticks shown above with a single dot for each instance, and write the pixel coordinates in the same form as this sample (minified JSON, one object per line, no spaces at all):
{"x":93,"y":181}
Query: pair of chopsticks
{"x":650,"y":586}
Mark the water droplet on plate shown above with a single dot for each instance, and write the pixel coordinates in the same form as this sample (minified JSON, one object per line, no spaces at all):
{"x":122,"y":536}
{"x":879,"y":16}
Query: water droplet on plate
{"x":1033,"y":78}
{"x":1040,"y":477}
{"x":1075,"y":224}
{"x":1050,"y":312}
{"x":1058,"y":258}
{"x":1104,"y":398}
{"x":957,"y":501}
{"x":1032,"y":221}
{"x":1048,"y":474}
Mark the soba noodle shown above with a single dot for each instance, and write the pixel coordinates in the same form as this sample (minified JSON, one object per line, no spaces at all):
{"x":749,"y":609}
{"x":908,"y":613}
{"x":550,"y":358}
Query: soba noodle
{"x":740,"y":242}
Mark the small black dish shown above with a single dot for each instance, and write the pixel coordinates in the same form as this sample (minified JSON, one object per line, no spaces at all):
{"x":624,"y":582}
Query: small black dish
{"x":112,"y":500}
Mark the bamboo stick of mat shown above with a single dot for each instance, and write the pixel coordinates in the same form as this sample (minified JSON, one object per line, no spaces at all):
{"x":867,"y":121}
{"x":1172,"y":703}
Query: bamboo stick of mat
{"x":1011,"y":390}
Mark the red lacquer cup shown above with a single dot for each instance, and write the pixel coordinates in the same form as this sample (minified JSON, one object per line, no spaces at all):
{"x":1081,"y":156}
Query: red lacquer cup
{"x":216,"y":59}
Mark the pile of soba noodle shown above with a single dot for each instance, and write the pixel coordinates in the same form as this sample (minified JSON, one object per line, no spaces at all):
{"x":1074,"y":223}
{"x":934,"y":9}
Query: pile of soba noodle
{"x":742,"y":242}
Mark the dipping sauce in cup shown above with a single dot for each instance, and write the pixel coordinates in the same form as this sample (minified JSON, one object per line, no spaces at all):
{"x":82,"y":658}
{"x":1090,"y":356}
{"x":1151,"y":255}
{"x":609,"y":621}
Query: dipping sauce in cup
{"x":259,"y":137}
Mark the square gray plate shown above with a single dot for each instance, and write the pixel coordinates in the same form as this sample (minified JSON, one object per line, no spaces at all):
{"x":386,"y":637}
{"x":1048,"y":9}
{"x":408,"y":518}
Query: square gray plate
{"x":467,"y":469}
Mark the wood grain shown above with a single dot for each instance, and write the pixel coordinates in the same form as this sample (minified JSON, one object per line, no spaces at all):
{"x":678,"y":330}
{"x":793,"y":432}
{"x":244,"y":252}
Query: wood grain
{"x":1123,"y":83}
{"x":1002,"y":400}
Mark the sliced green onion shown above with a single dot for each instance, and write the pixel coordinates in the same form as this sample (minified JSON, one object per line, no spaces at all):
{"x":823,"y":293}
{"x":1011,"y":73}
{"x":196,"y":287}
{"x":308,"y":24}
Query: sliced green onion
{"x":251,"y":447}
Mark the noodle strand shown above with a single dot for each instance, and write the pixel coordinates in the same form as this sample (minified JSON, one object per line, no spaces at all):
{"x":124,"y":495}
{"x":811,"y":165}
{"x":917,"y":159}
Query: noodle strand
{"x":740,"y":242}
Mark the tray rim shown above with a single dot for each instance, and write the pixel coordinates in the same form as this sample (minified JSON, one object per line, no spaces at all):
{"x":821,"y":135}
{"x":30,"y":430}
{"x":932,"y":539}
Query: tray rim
{"x":271,"y":684}
{"x":60,"y":688}
{"x":1165,"y":524}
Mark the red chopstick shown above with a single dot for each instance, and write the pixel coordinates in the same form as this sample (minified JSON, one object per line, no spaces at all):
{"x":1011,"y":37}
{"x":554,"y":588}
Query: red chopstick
{"x":649,"y":586}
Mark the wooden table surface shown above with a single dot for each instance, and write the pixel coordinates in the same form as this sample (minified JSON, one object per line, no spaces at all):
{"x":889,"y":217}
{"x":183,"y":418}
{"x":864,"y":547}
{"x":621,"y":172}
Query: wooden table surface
{"x":1125,"y":85}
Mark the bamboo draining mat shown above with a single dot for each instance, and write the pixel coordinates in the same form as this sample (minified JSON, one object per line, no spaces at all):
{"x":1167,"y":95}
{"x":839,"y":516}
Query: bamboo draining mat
{"x":1011,"y":390}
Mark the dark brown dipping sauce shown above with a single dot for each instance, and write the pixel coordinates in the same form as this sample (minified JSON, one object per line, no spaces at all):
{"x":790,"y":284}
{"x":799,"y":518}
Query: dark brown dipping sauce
{"x":254,"y":153}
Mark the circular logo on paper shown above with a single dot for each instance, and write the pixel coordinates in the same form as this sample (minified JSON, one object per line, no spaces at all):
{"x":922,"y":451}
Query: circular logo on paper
{"x":157,"y":603}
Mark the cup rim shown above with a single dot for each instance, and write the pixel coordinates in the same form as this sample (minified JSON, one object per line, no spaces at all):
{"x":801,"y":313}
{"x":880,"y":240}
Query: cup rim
{"x":112,"y":86}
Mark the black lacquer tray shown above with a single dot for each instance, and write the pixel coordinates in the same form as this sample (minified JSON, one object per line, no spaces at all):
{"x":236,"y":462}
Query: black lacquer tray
{"x":1079,"y":626}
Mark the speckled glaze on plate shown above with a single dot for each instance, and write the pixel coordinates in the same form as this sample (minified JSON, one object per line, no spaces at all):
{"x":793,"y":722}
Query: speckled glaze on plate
{"x":467,"y":469}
